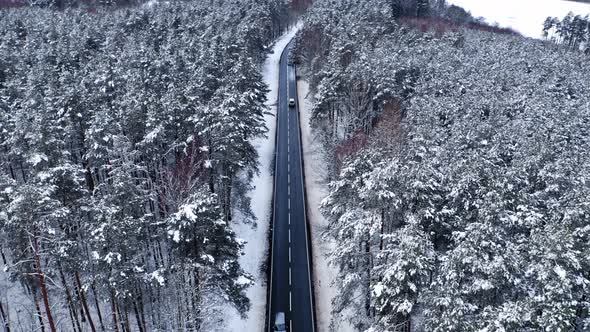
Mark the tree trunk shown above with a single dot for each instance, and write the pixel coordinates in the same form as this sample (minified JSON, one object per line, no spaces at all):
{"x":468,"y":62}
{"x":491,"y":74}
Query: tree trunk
{"x":39,"y":314}
{"x":84,"y":302}
{"x":229,"y":202}
{"x":154,"y":253}
{"x":4,"y":260}
{"x":88,"y":176}
{"x":197,"y":295}
{"x":98,"y":312}
{"x":178,"y":298}
{"x":137,"y":317}
{"x":368,"y":295}
{"x":153,"y":319}
{"x":141,"y":307}
{"x":114,"y":312}
{"x":121,"y":316}
{"x":71,"y":306}
{"x":22,"y":171}
{"x":4,"y":317}
{"x":127,"y":322}
{"x":12,"y":174}
{"x":41,"y":278}
{"x":73,"y":317}
{"x":211,"y":172}
{"x":10,"y":168}
{"x":382,"y":235}
{"x":160,"y":254}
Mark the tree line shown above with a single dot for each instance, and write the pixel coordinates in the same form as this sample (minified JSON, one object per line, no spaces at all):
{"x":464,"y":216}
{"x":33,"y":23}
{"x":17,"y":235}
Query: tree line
{"x":458,"y":192}
{"x":573,"y":31}
{"x":124,"y":152}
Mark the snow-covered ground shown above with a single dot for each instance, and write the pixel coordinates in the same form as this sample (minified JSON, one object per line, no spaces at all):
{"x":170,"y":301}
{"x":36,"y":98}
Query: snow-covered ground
{"x":18,"y":303}
{"x":524,"y":16}
{"x":256,"y":248}
{"x":316,"y":190}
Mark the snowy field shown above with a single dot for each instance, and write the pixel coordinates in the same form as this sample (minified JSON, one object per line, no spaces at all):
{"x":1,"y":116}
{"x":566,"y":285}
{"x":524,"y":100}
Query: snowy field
{"x":524,"y":16}
{"x":256,"y":248}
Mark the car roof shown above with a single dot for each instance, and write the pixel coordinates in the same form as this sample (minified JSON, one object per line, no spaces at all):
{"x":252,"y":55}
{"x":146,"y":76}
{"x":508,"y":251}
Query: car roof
{"x":280,"y":318}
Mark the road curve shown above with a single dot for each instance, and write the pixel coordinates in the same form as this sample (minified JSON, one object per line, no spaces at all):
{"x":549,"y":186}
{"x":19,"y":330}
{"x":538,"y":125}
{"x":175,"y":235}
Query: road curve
{"x":290,"y":279}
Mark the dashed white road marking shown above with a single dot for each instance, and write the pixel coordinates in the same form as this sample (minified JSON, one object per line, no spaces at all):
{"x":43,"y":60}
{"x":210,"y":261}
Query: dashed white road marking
{"x":289,"y":276}
{"x":289,"y":254}
{"x":289,"y":235}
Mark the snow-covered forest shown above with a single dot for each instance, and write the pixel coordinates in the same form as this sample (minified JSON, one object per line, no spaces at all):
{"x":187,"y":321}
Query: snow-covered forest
{"x":125,"y":153}
{"x":457,"y":162}
{"x":460,"y":185}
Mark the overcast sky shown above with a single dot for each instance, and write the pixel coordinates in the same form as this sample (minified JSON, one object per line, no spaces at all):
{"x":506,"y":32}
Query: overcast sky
{"x":524,"y":16}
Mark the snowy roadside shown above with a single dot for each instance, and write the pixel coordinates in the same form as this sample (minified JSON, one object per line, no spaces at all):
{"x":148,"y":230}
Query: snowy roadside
{"x":316,"y":189}
{"x":256,"y":247}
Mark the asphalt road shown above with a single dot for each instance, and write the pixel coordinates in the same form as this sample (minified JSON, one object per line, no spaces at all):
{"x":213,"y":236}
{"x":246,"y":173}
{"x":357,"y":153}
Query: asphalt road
{"x":290,"y":288}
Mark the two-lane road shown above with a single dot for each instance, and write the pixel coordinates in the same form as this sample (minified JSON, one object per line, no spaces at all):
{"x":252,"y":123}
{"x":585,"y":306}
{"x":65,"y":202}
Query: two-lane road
{"x":290,"y":285}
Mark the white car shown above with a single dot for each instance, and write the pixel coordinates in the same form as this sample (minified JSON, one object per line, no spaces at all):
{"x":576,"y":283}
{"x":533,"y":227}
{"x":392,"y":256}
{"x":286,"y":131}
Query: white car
{"x":280,"y":324}
{"x":291,"y":102}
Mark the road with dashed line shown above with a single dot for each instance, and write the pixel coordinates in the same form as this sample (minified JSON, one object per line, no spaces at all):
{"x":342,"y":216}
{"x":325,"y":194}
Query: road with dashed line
{"x":290,"y":280}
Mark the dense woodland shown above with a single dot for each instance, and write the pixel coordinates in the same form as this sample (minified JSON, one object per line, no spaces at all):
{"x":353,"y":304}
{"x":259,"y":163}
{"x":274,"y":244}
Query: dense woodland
{"x":124,"y":158}
{"x":459,"y":177}
{"x":460,"y":180}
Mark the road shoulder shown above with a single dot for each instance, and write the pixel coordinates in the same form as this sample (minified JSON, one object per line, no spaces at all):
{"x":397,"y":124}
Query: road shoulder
{"x":256,"y":248}
{"x":316,"y":189}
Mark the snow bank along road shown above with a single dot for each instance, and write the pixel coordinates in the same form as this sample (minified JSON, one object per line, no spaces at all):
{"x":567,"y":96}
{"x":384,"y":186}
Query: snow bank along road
{"x":290,"y":280}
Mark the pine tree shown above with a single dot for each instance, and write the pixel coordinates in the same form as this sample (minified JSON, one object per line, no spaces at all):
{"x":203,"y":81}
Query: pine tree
{"x":402,"y":271}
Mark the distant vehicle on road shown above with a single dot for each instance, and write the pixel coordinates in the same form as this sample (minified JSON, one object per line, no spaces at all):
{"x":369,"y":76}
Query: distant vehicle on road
{"x":291,"y":102}
{"x":280,"y":325}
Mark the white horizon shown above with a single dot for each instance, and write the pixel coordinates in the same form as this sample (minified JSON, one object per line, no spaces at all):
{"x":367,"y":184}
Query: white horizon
{"x":523,"y":16}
